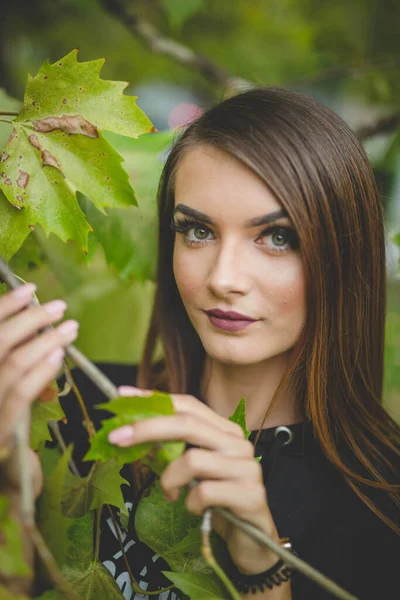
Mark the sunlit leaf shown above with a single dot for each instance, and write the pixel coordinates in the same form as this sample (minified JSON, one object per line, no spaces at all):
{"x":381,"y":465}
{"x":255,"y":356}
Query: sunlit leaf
{"x":57,"y":147}
{"x":128,"y":410}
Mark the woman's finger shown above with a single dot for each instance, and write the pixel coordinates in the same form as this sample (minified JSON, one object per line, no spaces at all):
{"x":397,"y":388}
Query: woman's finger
{"x":23,"y":358}
{"x":26,"y":390}
{"x":25,"y":324}
{"x":229,"y":494}
{"x":197,"y":463}
{"x":185,"y":427}
{"x":184,"y":403}
{"x":14,"y":301}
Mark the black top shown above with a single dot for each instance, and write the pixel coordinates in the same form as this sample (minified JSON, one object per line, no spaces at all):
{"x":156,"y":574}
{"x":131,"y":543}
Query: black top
{"x":329,"y":526}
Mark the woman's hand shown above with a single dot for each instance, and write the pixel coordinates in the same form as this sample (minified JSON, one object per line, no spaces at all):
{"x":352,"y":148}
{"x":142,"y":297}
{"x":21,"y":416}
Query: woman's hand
{"x":223,"y":461}
{"x":28,"y":364}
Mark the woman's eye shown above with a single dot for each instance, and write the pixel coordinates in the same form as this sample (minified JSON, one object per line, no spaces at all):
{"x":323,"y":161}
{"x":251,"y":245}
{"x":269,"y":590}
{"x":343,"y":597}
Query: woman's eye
{"x":199,"y":233}
{"x":279,"y":239}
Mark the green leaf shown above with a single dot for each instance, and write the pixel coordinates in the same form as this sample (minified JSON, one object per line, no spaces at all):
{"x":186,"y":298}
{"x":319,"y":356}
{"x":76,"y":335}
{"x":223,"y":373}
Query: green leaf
{"x":42,"y":413}
{"x":136,"y":229}
{"x":178,"y":12}
{"x":170,"y":530}
{"x":239,"y":417}
{"x":79,"y":553}
{"x":94,"y":583}
{"x":101,"y":486}
{"x":396,"y":239}
{"x":128,"y":410}
{"x":198,"y":586}
{"x":40,"y":190}
{"x":52,"y":523}
{"x":56,"y":148}
{"x":68,"y":87}
{"x":12,"y":561}
{"x":7,"y":595}
{"x":15,"y":226}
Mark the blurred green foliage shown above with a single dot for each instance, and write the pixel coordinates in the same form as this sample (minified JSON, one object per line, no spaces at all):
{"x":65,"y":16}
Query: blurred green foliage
{"x":345,"y":54}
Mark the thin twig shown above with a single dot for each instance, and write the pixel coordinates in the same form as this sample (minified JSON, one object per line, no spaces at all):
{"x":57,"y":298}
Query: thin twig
{"x":208,"y":555}
{"x":383,"y":125}
{"x":179,"y":53}
{"x":5,"y":121}
{"x":5,"y":113}
{"x":87,"y":421}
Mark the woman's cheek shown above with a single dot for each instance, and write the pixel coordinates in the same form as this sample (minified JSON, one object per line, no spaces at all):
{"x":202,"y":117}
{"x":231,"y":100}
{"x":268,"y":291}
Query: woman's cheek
{"x":188,"y":272}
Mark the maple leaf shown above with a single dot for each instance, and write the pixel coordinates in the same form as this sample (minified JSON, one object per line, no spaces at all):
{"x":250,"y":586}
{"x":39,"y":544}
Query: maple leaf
{"x":101,"y":486}
{"x":198,"y":586}
{"x":42,"y":412}
{"x":57,"y":147}
{"x":128,"y":410}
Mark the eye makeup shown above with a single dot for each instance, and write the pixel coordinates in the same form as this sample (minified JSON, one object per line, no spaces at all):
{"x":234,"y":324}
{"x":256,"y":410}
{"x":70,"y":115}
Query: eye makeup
{"x":283,"y":238}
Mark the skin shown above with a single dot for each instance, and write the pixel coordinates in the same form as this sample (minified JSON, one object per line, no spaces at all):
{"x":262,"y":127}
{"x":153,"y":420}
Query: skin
{"x":232,"y":268}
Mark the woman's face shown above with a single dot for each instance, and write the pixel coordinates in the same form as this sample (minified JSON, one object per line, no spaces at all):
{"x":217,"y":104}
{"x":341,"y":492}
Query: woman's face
{"x":224,"y":260}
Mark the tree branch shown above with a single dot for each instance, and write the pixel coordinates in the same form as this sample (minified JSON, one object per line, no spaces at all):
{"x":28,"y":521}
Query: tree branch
{"x":179,"y":53}
{"x":386,"y":124}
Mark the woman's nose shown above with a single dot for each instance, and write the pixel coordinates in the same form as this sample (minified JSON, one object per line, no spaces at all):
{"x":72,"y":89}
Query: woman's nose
{"x":228,"y":273}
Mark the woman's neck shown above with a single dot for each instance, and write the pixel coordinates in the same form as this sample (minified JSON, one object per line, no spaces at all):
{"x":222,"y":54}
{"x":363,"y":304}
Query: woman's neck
{"x":223,"y":385}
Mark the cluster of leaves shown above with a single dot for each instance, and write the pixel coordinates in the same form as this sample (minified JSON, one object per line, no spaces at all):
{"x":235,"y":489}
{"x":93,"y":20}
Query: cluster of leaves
{"x":67,"y":508}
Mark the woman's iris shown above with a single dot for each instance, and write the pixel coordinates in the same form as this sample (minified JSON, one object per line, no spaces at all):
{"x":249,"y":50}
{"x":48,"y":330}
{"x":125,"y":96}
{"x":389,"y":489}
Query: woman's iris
{"x":205,"y":232}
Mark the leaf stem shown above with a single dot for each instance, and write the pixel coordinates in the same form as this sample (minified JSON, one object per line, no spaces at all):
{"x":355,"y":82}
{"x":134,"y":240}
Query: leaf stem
{"x":88,"y":423}
{"x":5,"y":121}
{"x":5,"y":113}
{"x":98,"y":531}
{"x":209,"y":557}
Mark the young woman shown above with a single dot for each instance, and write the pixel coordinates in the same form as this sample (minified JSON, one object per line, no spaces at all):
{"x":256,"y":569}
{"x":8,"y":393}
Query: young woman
{"x":270,"y":285}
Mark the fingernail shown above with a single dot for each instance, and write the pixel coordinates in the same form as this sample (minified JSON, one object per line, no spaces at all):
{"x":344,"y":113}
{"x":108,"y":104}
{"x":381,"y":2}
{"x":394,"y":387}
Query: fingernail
{"x":24,"y":291}
{"x":122,"y":435}
{"x":56,"y":356}
{"x":128,"y":390}
{"x":55,"y":307}
{"x":68,"y":327}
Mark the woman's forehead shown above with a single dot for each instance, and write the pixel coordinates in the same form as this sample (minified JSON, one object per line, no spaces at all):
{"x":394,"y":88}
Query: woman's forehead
{"x":216,"y":183}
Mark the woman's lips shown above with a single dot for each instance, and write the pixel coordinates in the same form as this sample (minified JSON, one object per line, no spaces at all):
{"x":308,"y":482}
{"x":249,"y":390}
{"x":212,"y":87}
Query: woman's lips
{"x":229,"y":324}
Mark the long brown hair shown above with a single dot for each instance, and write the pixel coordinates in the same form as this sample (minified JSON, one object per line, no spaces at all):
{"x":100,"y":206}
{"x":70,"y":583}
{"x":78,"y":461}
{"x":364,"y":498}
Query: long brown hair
{"x":314,"y":165}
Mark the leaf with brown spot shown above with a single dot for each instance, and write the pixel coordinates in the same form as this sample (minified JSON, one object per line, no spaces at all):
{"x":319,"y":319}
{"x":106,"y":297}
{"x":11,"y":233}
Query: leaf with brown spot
{"x":57,"y":147}
{"x":23,"y":179}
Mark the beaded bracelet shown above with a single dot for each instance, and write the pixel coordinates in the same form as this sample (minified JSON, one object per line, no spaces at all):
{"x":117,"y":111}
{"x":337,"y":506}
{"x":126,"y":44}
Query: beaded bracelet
{"x":275,"y":575}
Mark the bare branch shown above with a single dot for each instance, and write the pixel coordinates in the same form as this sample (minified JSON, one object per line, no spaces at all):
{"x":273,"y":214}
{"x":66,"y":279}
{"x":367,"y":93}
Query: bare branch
{"x":386,"y":124}
{"x":346,"y":71}
{"x":179,"y":53}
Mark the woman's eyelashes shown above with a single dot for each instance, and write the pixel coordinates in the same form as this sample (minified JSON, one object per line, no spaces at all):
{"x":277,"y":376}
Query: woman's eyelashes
{"x":277,"y":238}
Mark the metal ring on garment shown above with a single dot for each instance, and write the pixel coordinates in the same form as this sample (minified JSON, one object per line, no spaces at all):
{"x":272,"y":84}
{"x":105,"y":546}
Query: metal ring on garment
{"x":284,"y":429}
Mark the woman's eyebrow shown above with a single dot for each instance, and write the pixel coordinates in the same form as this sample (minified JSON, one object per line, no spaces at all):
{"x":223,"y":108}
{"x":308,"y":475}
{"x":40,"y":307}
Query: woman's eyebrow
{"x":255,"y":222}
